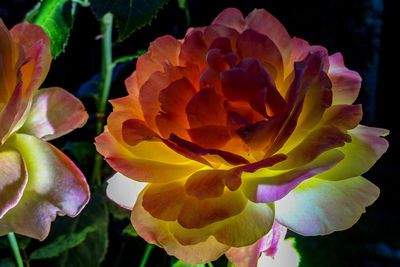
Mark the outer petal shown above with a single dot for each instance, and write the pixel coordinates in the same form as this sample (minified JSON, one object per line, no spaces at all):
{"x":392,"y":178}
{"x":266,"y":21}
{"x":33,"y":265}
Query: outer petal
{"x":266,"y":186}
{"x":156,"y":231}
{"x":231,"y":17}
{"x":286,"y":256}
{"x":318,"y":207}
{"x":249,"y":256}
{"x":123,"y":161}
{"x":360,"y":154}
{"x":55,"y":186}
{"x":54,"y":113}
{"x":13,"y":179}
{"x":345,"y":83}
{"x":123,"y":190}
{"x":163,"y":49}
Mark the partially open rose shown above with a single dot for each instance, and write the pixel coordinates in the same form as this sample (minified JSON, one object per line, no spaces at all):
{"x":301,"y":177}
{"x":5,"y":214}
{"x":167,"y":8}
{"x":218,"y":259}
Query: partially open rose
{"x":232,"y":127}
{"x":37,"y":181}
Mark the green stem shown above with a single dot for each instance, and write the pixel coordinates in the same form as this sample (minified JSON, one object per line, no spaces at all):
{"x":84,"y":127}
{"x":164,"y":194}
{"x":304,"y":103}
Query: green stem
{"x":15,"y":249}
{"x":209,"y":264}
{"x":107,"y":67}
{"x":146,"y":255}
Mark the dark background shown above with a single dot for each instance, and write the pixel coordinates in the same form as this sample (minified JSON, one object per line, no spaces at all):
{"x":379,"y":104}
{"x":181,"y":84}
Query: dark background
{"x":363,"y":31}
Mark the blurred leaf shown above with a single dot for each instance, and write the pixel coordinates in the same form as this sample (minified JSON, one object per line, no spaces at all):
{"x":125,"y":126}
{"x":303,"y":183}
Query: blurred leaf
{"x":7,"y":262}
{"x":61,"y":244}
{"x":130,"y":15}
{"x":23,"y":241}
{"x":56,"y":17}
{"x":83,"y":151}
{"x":92,"y":250}
{"x":118,"y":212}
{"x":184,"y":264}
{"x":130,"y":230}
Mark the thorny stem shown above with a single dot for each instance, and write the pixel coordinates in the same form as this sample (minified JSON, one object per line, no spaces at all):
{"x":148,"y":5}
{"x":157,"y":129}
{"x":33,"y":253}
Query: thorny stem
{"x":104,"y":86}
{"x":15,"y":249}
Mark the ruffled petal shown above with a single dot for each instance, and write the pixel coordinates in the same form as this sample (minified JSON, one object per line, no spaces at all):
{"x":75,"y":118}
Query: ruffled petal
{"x":318,"y":207}
{"x":345,"y":83}
{"x":13,"y":179}
{"x":366,"y":147}
{"x":164,"y":49}
{"x":123,"y":190}
{"x":54,"y":113}
{"x":55,"y":186}
{"x":231,"y":17}
{"x":157,"y":232}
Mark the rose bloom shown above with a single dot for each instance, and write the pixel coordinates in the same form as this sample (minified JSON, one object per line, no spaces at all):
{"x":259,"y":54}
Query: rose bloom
{"x":37,"y":181}
{"x":232,"y":128}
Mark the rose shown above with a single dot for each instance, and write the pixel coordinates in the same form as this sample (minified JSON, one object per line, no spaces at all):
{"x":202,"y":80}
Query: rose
{"x":37,"y":181}
{"x":233,"y":127}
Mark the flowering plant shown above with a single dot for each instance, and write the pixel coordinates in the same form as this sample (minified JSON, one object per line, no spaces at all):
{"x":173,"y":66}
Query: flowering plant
{"x":232,"y":128}
{"x":37,"y":181}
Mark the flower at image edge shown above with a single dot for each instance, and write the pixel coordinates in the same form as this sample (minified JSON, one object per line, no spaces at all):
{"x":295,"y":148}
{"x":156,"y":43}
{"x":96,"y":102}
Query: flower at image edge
{"x":233,"y":128}
{"x":37,"y":181}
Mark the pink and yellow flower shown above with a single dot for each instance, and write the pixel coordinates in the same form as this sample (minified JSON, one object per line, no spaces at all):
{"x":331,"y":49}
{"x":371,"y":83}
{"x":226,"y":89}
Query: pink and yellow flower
{"x":37,"y":181}
{"x":232,"y":128}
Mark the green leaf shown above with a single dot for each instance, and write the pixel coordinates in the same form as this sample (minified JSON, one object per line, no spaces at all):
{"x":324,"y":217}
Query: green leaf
{"x":61,"y":244}
{"x":92,"y":250}
{"x":56,"y":17}
{"x":130,"y":15}
{"x":130,"y":230}
{"x":184,"y":264}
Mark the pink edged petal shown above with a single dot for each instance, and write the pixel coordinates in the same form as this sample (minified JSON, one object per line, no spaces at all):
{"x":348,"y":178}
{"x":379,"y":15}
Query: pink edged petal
{"x":266,"y":186}
{"x":231,"y":17}
{"x":163,"y":49}
{"x":249,"y":256}
{"x":318,"y":207}
{"x":345,"y":83}
{"x":13,"y":179}
{"x":366,"y":147}
{"x":194,"y":49}
{"x":286,"y":256}
{"x":55,"y":186}
{"x":263,"y":22}
{"x":54,"y":113}
{"x":123,"y":190}
{"x":157,"y":232}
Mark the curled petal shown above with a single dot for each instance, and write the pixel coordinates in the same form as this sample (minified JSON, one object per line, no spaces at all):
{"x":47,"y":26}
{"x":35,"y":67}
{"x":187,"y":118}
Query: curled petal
{"x":345,"y":83}
{"x":318,"y":207}
{"x":366,"y":147}
{"x":13,"y":179}
{"x":54,"y":113}
{"x":231,"y":17}
{"x":266,"y":186}
{"x":55,"y":186}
